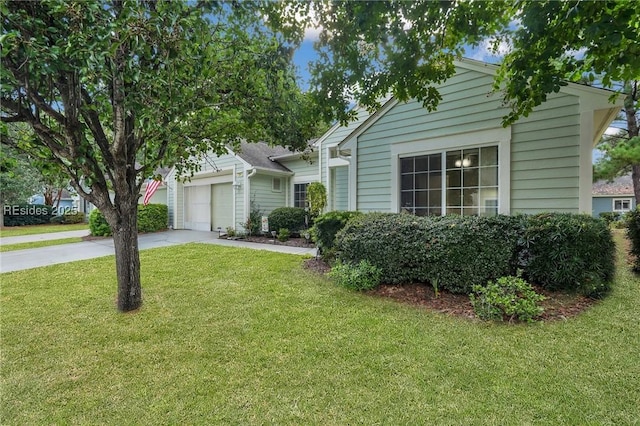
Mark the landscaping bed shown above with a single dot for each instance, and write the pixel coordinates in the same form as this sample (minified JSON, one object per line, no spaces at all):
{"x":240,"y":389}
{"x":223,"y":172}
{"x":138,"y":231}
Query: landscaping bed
{"x":557,"y":305}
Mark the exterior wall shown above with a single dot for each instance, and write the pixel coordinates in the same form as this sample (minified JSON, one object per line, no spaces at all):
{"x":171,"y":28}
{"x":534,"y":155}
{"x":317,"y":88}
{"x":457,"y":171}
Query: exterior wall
{"x":158,"y":197}
{"x":601,"y":204}
{"x":545,"y":158}
{"x":263,"y":195}
{"x":340,"y":188}
{"x":302,"y":169}
{"x":544,"y":155}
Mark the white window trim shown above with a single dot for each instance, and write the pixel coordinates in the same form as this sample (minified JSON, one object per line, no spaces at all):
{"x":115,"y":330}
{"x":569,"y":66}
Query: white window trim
{"x":478,"y":139}
{"x":613,"y":205}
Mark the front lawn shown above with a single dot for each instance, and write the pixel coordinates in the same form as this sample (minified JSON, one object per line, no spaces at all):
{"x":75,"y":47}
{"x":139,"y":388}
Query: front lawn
{"x":15,"y":231}
{"x":37,"y":244}
{"x":232,"y":336}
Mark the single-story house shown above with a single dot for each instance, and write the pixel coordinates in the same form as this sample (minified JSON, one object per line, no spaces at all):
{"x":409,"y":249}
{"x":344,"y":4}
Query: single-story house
{"x":68,"y":201}
{"x":458,"y":159}
{"x":614,"y":196}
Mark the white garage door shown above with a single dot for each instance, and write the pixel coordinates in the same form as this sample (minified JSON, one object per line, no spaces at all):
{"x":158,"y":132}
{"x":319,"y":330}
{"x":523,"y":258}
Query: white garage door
{"x":221,"y":206}
{"x":197,"y":207}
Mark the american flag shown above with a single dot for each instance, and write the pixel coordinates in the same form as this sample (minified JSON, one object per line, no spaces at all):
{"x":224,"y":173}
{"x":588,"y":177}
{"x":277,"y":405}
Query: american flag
{"x":151,"y":188}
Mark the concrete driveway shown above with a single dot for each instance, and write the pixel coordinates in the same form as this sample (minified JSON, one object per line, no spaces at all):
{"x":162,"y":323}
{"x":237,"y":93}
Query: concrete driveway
{"x":32,"y":258}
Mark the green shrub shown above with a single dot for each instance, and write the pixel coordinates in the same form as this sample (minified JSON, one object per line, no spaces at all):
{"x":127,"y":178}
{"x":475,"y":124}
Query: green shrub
{"x":291,"y":218}
{"x":508,"y":298}
{"x":253,"y":224}
{"x":455,"y":252}
{"x":69,"y":217}
{"x":152,"y":217}
{"x":316,"y":198}
{"x":57,"y":220}
{"x":610,"y":217}
{"x":325,"y":228}
{"x":283,"y":235}
{"x":27,"y":214}
{"x":98,"y":225}
{"x":231,"y":231}
{"x":363,"y":276}
{"x":572,"y":252}
{"x":633,"y":233}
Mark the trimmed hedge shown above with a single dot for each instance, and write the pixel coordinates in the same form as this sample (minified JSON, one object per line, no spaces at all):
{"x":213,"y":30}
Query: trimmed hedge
{"x":69,"y":218}
{"x":291,"y":218}
{"x":454,"y":253}
{"x":569,"y":252}
{"x":633,"y":233}
{"x":326,"y":226}
{"x":151,"y":218}
{"x":27,"y":214}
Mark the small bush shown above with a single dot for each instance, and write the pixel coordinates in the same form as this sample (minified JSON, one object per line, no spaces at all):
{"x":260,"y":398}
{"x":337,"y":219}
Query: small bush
{"x":283,"y":235}
{"x":361,"y":277}
{"x":57,"y":220}
{"x":633,"y":233}
{"x":152,"y":217}
{"x":231,"y":231}
{"x":573,"y":252}
{"x":291,"y":218}
{"x":610,"y":217}
{"x":509,"y":297}
{"x":98,"y":225}
{"x":253,"y":224}
{"x":325,"y":228}
{"x":27,"y":214}
{"x":69,"y":217}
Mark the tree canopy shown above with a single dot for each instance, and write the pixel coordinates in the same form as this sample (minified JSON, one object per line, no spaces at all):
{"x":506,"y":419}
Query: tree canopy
{"x":115,"y":89}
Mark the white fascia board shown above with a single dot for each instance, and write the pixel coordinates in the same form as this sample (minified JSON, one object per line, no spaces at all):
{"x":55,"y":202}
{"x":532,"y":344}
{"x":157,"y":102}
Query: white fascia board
{"x":271,"y":172}
{"x":293,"y":154}
{"x":348,"y":141}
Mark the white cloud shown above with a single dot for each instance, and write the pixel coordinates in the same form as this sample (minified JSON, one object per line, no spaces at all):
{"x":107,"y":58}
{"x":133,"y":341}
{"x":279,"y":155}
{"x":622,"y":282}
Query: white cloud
{"x":487,"y":50}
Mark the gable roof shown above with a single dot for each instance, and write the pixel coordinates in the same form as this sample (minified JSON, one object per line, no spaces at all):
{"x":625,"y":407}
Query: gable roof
{"x":622,"y":185}
{"x":258,"y":154}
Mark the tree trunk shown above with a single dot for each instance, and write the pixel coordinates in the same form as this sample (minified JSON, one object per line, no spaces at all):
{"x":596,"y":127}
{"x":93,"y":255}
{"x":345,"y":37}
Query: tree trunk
{"x":632,"y":128}
{"x":125,"y":240}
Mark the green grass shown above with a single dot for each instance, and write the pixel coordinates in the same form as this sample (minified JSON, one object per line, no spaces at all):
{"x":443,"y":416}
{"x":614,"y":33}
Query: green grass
{"x":36,"y":244}
{"x":15,"y":231}
{"x":230,"y":336}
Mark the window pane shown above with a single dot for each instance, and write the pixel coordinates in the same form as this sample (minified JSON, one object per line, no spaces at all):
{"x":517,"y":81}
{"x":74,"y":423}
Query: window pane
{"x":470,"y":211}
{"x":421,"y":212}
{"x":422,"y":181}
{"x":453,"y":210}
{"x":470,"y":157}
{"x":489,"y":156}
{"x":407,"y":182}
{"x":470,"y":177}
{"x":454,"y":178}
{"x":435,"y":180}
{"x":421,"y":198}
{"x":406,"y":165}
{"x":435,"y":198}
{"x":406,"y":199}
{"x":489,"y":176}
{"x":454,"y":197}
{"x":435,"y":212}
{"x":454,"y":159}
{"x":422,"y":164}
{"x":435,"y":162}
{"x":471,"y":197}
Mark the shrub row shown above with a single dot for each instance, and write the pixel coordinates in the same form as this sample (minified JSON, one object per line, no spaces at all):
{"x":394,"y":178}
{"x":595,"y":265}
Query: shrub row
{"x":151,"y":218}
{"x":27,"y":214}
{"x":633,"y":233}
{"x":557,"y":251}
{"x":291,"y":218}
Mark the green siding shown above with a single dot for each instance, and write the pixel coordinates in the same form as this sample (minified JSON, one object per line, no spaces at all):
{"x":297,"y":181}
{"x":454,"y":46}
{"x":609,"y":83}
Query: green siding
{"x":544,"y":150}
{"x":340,"y":190}
{"x":263,"y":195}
{"x":302,"y":167}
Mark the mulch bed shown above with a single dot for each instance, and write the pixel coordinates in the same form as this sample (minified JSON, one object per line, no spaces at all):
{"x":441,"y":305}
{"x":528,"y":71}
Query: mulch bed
{"x":557,"y":306}
{"x":291,"y":242}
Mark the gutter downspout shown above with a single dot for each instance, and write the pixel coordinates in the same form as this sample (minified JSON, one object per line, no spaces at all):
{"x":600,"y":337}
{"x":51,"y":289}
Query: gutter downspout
{"x":248,"y":173}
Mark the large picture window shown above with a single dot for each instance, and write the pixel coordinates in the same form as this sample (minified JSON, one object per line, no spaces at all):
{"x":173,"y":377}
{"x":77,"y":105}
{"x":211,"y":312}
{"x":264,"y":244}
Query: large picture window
{"x":300,"y":194}
{"x":463,"y":182}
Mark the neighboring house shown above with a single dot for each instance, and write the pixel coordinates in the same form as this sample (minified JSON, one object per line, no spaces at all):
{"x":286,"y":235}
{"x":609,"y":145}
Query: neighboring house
{"x":458,"y":159}
{"x":614,"y":196}
{"x":68,"y":201}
